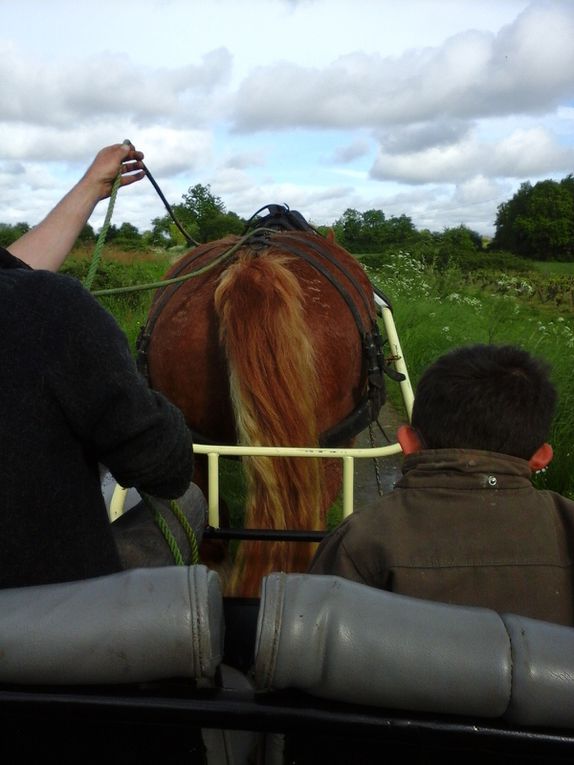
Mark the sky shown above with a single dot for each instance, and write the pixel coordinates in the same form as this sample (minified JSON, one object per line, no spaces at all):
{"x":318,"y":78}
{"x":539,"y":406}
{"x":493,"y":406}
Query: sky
{"x":435,"y":109}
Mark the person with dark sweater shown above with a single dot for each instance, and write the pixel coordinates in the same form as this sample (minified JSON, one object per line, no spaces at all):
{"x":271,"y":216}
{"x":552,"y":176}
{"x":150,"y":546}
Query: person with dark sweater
{"x":71,"y":400}
{"x":465,"y":525}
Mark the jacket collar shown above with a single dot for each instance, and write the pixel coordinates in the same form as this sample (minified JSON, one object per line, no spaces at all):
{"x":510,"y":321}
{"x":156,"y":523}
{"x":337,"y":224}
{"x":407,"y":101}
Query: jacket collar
{"x":464,"y":468}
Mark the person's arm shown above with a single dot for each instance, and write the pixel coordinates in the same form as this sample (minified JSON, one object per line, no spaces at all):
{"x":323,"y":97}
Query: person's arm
{"x":47,"y":245}
{"x":333,"y":558}
{"x":120,"y":421}
{"x":357,"y":550}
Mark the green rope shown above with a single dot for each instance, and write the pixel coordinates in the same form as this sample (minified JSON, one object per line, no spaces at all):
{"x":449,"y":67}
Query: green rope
{"x":162,"y":525}
{"x":214,"y":263}
{"x":189,"y":532}
{"x":96,"y":257}
{"x":169,"y":538}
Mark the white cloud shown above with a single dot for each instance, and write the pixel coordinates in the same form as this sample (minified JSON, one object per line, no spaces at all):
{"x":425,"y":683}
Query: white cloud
{"x":244,"y":160}
{"x":423,"y":135}
{"x":451,"y":103}
{"x":171,"y":151}
{"x":523,"y":153}
{"x":351,"y":151}
{"x":97,"y":86}
{"x":526,"y":67}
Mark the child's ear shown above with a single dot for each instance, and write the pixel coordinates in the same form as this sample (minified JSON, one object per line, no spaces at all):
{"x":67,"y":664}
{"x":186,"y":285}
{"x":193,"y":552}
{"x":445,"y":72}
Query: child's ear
{"x":409,"y":440}
{"x":541,"y":457}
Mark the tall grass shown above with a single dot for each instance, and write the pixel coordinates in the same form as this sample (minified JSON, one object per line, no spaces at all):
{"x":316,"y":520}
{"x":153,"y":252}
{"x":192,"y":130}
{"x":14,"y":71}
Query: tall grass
{"x":120,"y":269}
{"x":434,"y":312}
{"x":554,"y":267}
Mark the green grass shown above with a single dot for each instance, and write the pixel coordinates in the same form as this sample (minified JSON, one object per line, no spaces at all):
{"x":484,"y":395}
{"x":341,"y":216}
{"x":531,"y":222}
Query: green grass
{"x":553,"y":267}
{"x":434,"y":311}
{"x":122,"y":270}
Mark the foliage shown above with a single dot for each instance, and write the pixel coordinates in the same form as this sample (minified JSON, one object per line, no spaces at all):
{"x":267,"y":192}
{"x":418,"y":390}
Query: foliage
{"x":126,"y":237}
{"x":166,"y":234}
{"x":371,"y":231}
{"x":458,"y":243}
{"x":434,"y":310}
{"x":9,"y":233}
{"x":210,"y":215}
{"x":374,"y":237}
{"x":87,"y":234}
{"x":538,"y":222}
{"x":482,"y":260}
{"x":130,"y":309}
{"x":442,"y":257}
{"x":202,"y":215}
{"x":552,"y":267}
{"x":437,"y":310}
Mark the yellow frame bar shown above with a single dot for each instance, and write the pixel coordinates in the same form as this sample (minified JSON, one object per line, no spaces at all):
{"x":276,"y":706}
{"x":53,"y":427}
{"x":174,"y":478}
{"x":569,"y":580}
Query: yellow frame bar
{"x":346,"y":455}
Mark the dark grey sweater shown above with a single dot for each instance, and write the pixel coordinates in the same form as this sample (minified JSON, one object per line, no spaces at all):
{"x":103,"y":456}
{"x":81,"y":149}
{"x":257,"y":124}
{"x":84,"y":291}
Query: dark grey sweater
{"x":71,"y":398}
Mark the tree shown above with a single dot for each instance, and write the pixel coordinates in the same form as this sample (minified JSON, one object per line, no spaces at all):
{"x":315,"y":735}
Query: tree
{"x":461,"y":239}
{"x":159,"y":234}
{"x":201,"y":203}
{"x":459,"y":244}
{"x":400,"y":231}
{"x":128,"y":237}
{"x":166,"y":234}
{"x":203,"y":217}
{"x":10,"y":232}
{"x":348,"y":230}
{"x":371,"y":231}
{"x":87,"y":234}
{"x":538,"y":222}
{"x":208,"y":212}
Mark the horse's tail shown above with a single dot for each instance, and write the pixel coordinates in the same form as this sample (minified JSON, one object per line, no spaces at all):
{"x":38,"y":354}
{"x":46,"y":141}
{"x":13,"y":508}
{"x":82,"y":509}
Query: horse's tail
{"x":274,"y":390}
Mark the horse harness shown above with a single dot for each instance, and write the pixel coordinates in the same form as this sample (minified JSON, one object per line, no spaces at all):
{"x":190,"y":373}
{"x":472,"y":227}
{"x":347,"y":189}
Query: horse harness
{"x":281,"y":219}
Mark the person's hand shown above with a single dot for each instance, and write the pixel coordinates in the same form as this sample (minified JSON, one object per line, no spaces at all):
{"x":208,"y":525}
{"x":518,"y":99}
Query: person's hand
{"x":119,"y":158}
{"x":48,"y":244}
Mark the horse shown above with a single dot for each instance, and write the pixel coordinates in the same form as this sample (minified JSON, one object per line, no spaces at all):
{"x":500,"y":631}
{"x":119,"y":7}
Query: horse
{"x":271,"y":339}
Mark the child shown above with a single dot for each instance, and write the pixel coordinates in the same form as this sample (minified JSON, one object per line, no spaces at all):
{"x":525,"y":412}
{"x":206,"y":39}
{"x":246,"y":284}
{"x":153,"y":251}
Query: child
{"x":464,"y":524}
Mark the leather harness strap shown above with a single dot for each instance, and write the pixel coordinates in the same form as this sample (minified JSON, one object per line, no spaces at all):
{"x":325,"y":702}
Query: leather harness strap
{"x":368,"y":408}
{"x":162,"y":297}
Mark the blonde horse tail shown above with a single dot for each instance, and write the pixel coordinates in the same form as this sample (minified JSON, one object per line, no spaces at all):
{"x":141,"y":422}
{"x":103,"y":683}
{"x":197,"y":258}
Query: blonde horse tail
{"x":274,"y":390}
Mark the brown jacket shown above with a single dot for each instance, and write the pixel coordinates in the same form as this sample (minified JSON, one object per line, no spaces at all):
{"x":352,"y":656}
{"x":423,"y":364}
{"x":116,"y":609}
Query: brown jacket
{"x":463,"y":527}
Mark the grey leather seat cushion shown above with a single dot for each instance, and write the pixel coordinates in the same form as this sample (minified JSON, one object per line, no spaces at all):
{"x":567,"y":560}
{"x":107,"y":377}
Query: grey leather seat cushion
{"x":340,"y":640}
{"x":134,"y":626}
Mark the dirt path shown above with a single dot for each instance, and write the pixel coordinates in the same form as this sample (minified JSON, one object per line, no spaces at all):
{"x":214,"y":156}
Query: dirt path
{"x":366,"y":493}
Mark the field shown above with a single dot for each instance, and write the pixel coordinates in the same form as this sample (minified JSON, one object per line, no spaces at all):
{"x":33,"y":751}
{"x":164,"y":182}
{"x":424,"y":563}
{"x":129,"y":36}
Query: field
{"x":553,"y":267}
{"x":434,"y":310}
{"x":437,"y":310}
{"x":121,"y":269}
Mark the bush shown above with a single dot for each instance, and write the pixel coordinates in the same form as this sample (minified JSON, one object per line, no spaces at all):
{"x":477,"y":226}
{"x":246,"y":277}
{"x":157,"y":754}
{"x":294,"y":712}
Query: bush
{"x":481,"y":260}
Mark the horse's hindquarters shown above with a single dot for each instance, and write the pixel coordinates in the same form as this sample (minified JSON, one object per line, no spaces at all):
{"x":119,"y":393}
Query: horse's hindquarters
{"x":268,"y":348}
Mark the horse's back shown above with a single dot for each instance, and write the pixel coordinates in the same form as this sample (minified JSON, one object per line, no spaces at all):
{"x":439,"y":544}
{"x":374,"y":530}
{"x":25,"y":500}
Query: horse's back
{"x":187,"y":362}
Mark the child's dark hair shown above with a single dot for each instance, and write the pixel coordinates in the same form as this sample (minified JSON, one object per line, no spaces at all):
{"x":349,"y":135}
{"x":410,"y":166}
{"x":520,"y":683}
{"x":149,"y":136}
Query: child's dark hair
{"x":487,"y":397}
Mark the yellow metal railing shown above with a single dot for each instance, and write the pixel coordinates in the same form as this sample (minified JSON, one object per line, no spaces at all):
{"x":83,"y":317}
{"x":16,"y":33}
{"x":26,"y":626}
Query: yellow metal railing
{"x":347,"y":456}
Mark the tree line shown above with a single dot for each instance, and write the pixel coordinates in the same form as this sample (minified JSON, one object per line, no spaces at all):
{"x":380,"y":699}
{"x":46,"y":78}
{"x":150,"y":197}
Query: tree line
{"x":536,"y":223}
